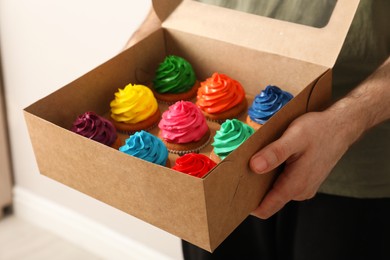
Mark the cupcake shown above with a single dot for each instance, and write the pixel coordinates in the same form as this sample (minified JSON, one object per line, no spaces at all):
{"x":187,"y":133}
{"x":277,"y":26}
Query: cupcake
{"x":147,"y":147}
{"x":266,"y":104}
{"x":194,"y":164}
{"x":183,"y":128}
{"x":230,"y":136}
{"x":175,"y":80}
{"x":221,"y":98}
{"x":134,"y":108}
{"x":97,"y":128}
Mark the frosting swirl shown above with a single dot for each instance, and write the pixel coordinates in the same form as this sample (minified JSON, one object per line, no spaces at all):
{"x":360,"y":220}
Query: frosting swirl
{"x":267,"y":103}
{"x":183,"y":122}
{"x":230,"y":136}
{"x":133,"y":104}
{"x":174,"y":75}
{"x":219,"y":93}
{"x":146,"y":146}
{"x":95,"y":127}
{"x":194,"y":164}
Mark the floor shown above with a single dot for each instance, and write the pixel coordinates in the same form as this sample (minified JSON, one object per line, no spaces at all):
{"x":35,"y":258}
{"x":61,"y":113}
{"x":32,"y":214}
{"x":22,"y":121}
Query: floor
{"x":20,"y":240}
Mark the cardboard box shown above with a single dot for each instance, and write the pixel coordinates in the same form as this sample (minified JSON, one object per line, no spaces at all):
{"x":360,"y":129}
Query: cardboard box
{"x":256,"y":51}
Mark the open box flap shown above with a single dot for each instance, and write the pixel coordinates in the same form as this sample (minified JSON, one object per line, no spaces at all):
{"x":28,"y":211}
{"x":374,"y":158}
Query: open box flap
{"x":315,"y":45}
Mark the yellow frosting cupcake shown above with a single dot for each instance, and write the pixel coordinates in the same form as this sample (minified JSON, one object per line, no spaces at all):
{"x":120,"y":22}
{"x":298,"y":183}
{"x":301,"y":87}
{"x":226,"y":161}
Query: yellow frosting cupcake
{"x":134,"y":108}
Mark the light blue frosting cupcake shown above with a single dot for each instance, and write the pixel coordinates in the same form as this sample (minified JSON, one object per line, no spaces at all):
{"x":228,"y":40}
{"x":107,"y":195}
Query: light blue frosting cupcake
{"x":146,"y":146}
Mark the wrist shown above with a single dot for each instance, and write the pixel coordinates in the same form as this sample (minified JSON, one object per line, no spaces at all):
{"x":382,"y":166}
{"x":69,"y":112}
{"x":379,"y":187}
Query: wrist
{"x":348,"y":121}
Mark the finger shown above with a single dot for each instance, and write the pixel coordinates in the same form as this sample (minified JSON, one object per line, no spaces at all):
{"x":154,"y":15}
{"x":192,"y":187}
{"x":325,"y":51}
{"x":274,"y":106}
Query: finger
{"x":283,"y":190}
{"x":272,"y":203}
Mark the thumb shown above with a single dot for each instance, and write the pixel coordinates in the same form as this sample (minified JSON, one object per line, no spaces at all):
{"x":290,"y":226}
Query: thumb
{"x":271,"y":156}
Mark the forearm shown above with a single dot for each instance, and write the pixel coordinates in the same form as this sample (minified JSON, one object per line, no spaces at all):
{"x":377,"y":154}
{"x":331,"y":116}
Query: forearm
{"x":366,"y":106}
{"x":151,"y":23}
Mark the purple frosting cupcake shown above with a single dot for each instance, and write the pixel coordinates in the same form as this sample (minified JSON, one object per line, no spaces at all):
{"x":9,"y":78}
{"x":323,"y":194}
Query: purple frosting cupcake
{"x":97,"y":128}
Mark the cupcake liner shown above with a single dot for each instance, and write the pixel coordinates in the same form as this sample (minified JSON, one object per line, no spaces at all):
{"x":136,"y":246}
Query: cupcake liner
{"x":196,"y":150}
{"x":172,"y":102}
{"x":132,"y":132}
{"x":180,"y":96}
{"x":221,"y":121}
{"x":237,"y":116}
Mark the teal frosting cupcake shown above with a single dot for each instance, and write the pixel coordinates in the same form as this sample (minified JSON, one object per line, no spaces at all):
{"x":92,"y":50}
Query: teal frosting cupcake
{"x":230,"y":136}
{"x":146,"y":146}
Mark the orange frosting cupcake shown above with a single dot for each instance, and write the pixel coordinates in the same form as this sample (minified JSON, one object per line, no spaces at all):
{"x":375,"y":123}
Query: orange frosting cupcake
{"x":221,"y":97}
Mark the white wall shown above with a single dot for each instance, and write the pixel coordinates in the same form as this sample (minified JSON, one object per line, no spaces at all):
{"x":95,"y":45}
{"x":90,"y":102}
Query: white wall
{"x":46,"y":44}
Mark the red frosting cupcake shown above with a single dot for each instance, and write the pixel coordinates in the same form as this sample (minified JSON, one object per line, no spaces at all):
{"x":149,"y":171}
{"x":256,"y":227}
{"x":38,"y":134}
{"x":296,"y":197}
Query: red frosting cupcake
{"x":194,"y":164}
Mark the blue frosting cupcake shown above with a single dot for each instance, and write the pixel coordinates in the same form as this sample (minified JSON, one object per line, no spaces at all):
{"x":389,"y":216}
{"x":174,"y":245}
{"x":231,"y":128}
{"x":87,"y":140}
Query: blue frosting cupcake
{"x":146,"y":146}
{"x":266,"y":104}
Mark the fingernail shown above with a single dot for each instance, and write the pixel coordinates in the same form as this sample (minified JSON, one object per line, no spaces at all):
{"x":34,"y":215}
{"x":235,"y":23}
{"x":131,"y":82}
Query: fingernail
{"x":263,"y":216}
{"x":258,"y":164}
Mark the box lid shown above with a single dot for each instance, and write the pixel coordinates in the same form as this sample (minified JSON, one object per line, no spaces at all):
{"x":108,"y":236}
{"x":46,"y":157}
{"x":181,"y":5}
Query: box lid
{"x":316,"y":45}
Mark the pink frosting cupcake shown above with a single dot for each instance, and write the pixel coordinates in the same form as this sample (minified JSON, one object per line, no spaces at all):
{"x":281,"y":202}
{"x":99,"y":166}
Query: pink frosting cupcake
{"x":183,"y":128}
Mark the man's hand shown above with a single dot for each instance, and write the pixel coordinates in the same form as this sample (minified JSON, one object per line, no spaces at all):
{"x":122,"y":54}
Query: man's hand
{"x":313,"y":143}
{"x":310,"y":148}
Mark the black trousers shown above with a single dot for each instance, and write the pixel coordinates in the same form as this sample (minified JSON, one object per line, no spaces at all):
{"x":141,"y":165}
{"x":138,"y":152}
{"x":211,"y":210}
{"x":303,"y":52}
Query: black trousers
{"x":326,"y":227}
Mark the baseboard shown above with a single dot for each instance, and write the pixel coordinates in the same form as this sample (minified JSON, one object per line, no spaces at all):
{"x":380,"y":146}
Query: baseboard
{"x":89,"y":235}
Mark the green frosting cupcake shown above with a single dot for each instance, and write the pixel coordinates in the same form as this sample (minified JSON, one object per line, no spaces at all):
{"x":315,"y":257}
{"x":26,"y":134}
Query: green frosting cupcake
{"x":230,"y":136}
{"x":174,"y":75}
